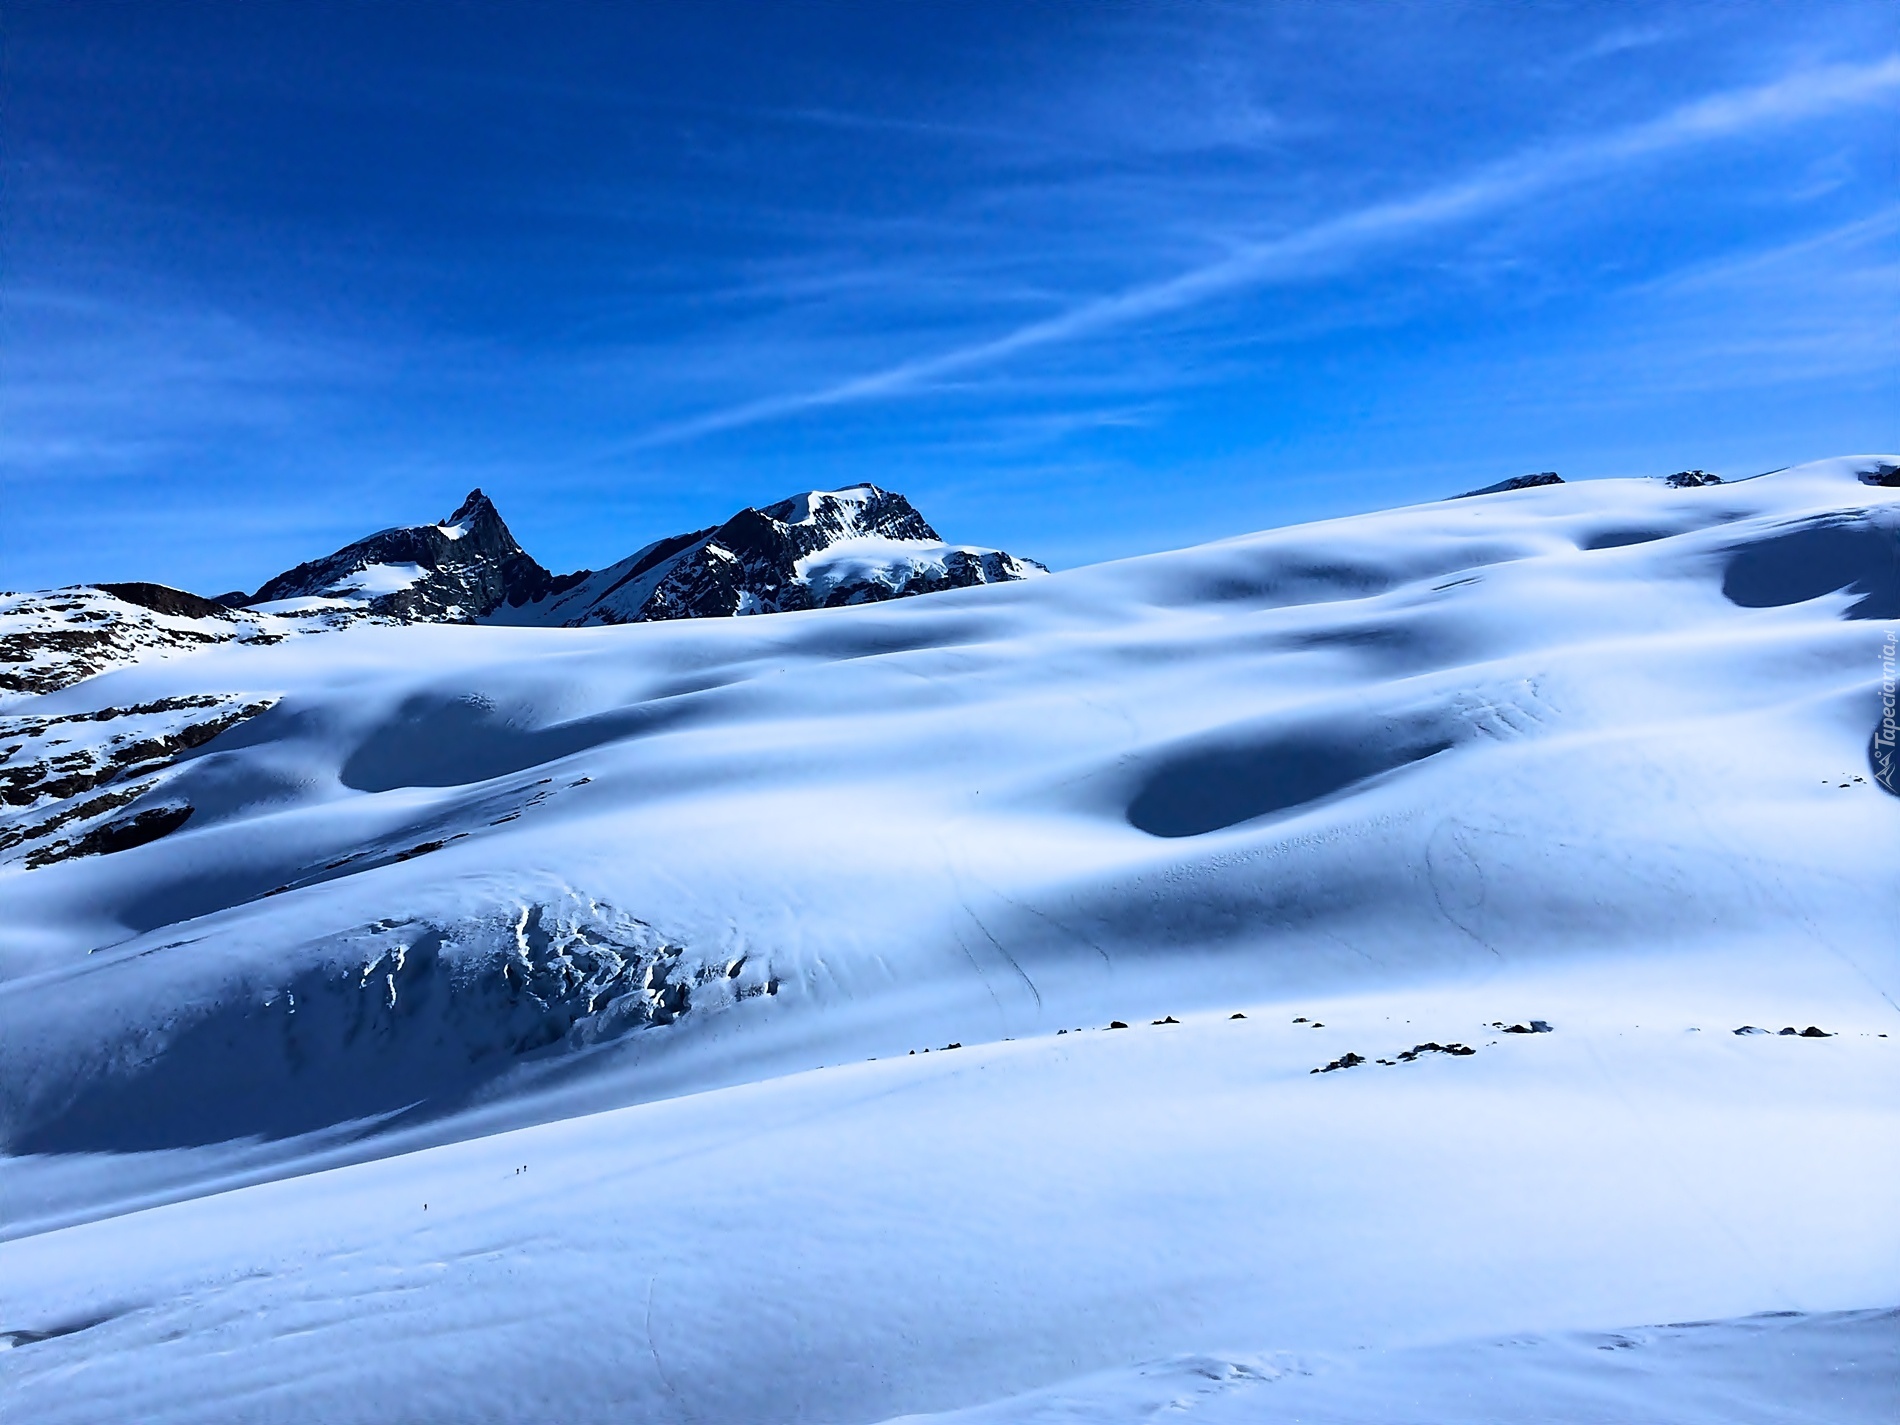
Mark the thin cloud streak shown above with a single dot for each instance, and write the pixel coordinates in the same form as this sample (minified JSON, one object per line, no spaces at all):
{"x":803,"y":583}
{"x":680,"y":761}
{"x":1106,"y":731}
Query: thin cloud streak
{"x":1325,"y":245}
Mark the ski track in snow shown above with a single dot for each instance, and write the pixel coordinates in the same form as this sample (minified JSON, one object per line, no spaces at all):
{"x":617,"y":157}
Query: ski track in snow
{"x":735,"y":995}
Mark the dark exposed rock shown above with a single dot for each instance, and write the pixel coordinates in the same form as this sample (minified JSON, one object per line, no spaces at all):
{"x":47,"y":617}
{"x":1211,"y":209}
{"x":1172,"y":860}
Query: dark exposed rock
{"x":1882,"y":474}
{"x":1812,"y":1032}
{"x":61,"y":776}
{"x":1516,"y":482}
{"x":1344,"y":1061}
{"x":32,"y":769}
{"x":136,"y":830}
{"x":61,"y":814}
{"x":1692,"y":479}
{"x":167,"y":600}
{"x":1434,"y":1047}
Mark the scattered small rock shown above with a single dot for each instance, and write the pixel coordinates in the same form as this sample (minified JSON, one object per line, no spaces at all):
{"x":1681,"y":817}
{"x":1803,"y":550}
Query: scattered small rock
{"x":420,"y":849}
{"x":1344,"y":1061}
{"x":1434,"y":1047}
{"x":1536,"y":1026}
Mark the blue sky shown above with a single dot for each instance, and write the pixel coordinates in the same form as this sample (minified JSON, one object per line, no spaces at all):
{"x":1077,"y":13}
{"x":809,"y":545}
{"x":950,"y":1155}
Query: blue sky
{"x":1084,"y":280}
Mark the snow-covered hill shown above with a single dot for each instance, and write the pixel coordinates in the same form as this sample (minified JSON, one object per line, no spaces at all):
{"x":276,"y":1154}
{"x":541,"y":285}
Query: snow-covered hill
{"x":1273,"y":963}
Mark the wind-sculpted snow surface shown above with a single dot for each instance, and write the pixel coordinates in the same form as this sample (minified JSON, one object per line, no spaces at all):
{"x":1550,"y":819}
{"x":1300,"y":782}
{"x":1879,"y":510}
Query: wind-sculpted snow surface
{"x":1326,"y":939}
{"x":1815,"y":557}
{"x":1760,"y":1370}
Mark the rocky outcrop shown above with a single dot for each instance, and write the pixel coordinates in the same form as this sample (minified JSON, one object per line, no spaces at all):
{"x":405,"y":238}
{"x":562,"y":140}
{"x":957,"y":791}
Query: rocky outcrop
{"x":1516,"y":482}
{"x":163,"y":599}
{"x":57,"y":637}
{"x":65,"y":778}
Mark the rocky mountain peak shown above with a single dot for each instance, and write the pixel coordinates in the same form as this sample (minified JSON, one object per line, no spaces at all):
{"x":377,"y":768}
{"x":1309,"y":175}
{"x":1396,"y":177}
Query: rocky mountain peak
{"x":456,"y":571}
{"x":819,"y":518}
{"x":475,"y":509}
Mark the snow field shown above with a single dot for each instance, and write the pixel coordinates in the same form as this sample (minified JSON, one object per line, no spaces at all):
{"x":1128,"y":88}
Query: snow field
{"x":1412,"y":777}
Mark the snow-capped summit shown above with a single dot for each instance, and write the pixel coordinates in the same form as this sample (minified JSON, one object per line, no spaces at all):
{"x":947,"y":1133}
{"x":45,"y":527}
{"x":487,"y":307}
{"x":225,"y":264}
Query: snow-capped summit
{"x":452,"y":572}
{"x":819,"y":549}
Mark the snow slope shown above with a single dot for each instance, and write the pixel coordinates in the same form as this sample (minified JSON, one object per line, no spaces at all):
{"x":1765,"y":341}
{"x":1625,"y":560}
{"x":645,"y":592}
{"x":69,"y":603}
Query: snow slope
{"x":631,"y":908}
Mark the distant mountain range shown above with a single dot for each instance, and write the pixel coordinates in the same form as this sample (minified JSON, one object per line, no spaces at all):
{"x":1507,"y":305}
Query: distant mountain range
{"x":820,"y":549}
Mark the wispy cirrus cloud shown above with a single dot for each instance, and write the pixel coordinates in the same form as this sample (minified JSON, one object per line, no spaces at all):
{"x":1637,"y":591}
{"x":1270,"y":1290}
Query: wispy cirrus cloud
{"x":1324,"y":247}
